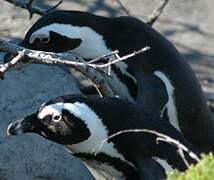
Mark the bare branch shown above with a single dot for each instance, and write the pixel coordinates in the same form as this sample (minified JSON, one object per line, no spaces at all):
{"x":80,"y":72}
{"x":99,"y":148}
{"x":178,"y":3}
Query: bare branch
{"x":54,"y":7}
{"x":119,"y":59}
{"x":123,"y":7}
{"x":63,"y":59}
{"x":161,"y":137}
{"x":33,"y":9}
{"x":13,"y":62}
{"x":157,"y":12}
{"x":94,"y":72}
{"x":104,"y":57}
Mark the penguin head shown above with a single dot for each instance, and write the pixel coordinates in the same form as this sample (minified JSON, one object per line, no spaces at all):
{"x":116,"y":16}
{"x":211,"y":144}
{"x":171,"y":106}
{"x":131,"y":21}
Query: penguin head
{"x":57,"y":121}
{"x":64,"y":31}
{"x":84,"y":34}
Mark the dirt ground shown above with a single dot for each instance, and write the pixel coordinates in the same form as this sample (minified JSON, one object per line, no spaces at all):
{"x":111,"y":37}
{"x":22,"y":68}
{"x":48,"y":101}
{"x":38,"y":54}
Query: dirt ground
{"x":189,"y":24}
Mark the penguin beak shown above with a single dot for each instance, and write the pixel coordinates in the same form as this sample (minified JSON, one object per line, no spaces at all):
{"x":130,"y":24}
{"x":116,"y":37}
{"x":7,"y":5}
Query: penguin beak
{"x":28,"y":124}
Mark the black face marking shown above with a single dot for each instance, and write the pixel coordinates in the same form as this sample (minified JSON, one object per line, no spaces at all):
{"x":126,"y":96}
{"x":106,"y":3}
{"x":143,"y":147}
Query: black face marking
{"x":55,"y":43}
{"x":69,"y":130}
{"x":129,"y":82}
{"x":63,"y":42}
{"x":129,"y":172}
{"x":45,"y":40}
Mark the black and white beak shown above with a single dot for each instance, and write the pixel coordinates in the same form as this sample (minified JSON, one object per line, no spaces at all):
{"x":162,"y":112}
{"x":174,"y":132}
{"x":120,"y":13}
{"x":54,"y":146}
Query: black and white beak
{"x":15,"y":128}
{"x":28,"y":124}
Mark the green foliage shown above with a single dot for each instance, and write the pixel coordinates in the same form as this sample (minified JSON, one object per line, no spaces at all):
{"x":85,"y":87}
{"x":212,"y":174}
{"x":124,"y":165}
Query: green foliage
{"x":201,"y":171}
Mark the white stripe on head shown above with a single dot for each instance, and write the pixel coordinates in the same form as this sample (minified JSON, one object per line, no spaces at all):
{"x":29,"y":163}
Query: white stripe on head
{"x":92,"y":45}
{"x":98,"y":131}
{"x":170,"y":105}
{"x":53,"y":109}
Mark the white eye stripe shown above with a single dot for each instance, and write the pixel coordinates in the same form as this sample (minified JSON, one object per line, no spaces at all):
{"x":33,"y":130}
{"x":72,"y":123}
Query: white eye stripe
{"x":40,"y":36}
{"x":98,"y":130}
{"x":54,"y":109}
{"x":92,"y":45}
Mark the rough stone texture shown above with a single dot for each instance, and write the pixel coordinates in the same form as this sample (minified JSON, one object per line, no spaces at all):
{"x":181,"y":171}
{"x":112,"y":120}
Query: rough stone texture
{"x":187,"y":23}
{"x":28,"y":157}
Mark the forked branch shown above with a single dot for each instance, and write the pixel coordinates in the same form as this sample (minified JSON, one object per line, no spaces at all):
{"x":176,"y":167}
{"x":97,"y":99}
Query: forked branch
{"x":33,"y":9}
{"x":37,"y":10}
{"x":95,"y":72}
{"x":157,"y":12}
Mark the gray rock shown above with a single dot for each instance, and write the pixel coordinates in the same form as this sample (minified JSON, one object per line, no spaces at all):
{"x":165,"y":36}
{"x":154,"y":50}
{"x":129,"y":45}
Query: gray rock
{"x":30,"y":156}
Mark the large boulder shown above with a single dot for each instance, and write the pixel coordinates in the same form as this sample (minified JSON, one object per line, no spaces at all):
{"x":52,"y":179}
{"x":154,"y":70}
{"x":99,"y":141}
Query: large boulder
{"x":30,"y":157}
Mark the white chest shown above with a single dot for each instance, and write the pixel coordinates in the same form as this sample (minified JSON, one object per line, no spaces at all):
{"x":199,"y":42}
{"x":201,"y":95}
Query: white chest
{"x":102,"y":171}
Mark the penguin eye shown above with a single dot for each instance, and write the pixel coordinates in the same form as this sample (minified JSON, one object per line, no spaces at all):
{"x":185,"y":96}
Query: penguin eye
{"x":45,"y":40}
{"x":56,"y":118}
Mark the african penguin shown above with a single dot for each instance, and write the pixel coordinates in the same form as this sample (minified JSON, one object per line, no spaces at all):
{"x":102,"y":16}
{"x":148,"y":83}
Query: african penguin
{"x":81,"y":124}
{"x":159,"y":80}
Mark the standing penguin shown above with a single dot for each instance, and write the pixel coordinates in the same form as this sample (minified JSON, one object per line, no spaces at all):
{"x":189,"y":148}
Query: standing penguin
{"x":81,"y":124}
{"x":159,"y":80}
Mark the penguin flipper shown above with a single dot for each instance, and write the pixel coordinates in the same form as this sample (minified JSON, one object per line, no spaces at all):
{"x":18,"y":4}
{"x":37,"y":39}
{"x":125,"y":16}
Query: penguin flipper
{"x":152,"y":94}
{"x":150,"y":169}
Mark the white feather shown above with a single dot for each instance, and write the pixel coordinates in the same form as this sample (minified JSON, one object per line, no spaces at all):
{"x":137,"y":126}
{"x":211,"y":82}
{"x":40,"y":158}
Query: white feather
{"x":170,"y":105}
{"x":163,"y":163}
{"x":103,"y":171}
{"x":98,"y":131}
{"x":123,"y":68}
{"x":92,"y":45}
{"x":119,"y":88}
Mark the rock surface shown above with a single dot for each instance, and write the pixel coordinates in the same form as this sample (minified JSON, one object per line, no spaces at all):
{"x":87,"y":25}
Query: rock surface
{"x":188,"y":23}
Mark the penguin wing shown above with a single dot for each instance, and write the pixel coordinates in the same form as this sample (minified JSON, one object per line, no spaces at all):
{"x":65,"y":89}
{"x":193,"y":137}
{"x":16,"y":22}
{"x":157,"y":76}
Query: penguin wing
{"x":152,"y":94}
{"x":150,"y":169}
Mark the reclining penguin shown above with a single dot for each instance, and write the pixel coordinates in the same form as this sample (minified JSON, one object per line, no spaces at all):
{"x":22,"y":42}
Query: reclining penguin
{"x":159,"y":80}
{"x":81,"y":124}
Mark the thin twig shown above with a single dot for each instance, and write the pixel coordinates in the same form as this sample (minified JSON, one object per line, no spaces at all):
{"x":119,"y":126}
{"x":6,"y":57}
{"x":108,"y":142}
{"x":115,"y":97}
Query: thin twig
{"x":65,"y":59}
{"x":157,"y":12}
{"x":119,"y":59}
{"x":23,"y":5}
{"x":161,"y":137}
{"x":10,"y":64}
{"x":123,"y":7}
{"x":92,"y":71}
{"x":33,"y":9}
{"x":54,"y":7}
{"x":104,"y":57}
{"x":29,"y":8}
{"x":36,"y":10}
